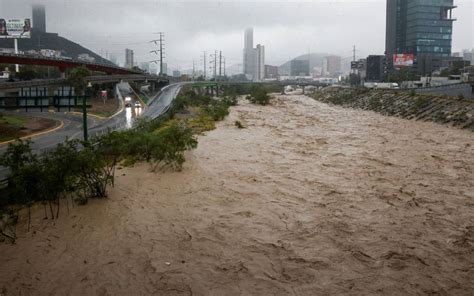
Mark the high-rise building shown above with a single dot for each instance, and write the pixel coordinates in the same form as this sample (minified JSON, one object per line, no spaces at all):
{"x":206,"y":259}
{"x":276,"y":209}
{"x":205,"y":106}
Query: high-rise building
{"x":259,"y":63}
{"x":254,"y":58}
{"x":129,"y":63}
{"x":376,"y":68}
{"x":420,"y":27}
{"x":165,"y":69}
{"x":248,"y":52}
{"x":468,"y":55}
{"x":39,"y":18}
{"x":271,"y":72}
{"x":332,"y":65}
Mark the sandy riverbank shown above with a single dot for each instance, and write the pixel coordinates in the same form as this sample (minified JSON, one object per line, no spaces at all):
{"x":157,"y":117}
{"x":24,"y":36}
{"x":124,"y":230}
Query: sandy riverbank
{"x":309,"y":199}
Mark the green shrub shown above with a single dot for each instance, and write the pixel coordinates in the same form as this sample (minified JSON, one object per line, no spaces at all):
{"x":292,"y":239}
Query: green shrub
{"x":218,"y":110}
{"x":172,"y":140}
{"x":421,"y":103}
{"x":202,"y":123}
{"x":260,"y":96}
{"x":238,"y":124}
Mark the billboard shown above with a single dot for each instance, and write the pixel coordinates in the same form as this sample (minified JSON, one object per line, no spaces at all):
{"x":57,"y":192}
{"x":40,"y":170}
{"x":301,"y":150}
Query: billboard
{"x":360,"y":64}
{"x":15,"y":28}
{"x":403,"y":60}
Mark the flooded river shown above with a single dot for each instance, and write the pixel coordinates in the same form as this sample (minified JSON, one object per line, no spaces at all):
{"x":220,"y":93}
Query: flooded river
{"x":308,"y":199}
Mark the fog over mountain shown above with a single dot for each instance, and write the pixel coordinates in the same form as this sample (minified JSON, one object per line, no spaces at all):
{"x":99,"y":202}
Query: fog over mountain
{"x":286,"y":28}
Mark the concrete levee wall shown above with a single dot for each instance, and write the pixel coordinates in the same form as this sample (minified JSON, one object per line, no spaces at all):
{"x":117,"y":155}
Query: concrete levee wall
{"x":455,"y":90}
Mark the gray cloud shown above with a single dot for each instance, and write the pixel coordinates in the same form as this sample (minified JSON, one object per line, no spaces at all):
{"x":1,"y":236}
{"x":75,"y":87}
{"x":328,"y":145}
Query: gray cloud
{"x":287,"y":28}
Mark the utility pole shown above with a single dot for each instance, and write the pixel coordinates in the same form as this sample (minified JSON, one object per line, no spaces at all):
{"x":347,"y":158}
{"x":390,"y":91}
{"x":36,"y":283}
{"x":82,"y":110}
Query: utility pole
{"x":160,"y":43}
{"x":354,"y":53}
{"x":224,"y":67}
{"x":215,"y":64}
{"x":194,"y":69}
{"x":204,"y":53}
{"x":161,"y":52}
{"x":220,"y":64}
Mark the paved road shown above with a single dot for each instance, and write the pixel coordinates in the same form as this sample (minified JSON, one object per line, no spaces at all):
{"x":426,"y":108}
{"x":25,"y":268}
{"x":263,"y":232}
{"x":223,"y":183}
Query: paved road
{"x":72,"y":128}
{"x":162,"y":101}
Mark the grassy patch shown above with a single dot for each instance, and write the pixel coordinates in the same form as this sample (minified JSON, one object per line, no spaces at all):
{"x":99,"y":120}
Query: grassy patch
{"x":11,"y":127}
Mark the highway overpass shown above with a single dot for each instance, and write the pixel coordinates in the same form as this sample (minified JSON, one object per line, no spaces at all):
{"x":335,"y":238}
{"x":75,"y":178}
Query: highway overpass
{"x":62,"y":63}
{"x":93,"y":79}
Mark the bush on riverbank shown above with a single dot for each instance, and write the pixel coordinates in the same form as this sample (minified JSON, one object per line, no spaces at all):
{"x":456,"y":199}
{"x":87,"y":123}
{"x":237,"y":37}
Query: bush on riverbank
{"x":259,"y":96}
{"x":202,"y":110}
{"x":54,"y":175}
{"x":78,"y":171}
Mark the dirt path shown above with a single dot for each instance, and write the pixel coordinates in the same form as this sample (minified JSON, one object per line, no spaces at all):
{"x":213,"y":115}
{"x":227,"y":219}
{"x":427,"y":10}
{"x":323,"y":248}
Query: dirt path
{"x":309,"y":199}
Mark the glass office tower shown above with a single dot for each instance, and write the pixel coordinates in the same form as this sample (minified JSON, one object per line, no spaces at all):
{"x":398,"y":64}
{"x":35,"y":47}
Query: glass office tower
{"x":420,"y":27}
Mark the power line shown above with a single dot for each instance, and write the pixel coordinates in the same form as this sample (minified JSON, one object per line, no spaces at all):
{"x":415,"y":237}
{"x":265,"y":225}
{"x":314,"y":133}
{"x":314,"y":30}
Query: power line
{"x":160,"y":43}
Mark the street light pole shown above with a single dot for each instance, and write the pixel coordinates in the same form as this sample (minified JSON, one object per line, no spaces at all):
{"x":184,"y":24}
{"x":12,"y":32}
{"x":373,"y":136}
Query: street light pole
{"x":84,"y":113}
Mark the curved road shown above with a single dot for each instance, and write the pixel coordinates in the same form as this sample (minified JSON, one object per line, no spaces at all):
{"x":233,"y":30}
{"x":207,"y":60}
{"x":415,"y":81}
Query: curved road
{"x":72,"y":128}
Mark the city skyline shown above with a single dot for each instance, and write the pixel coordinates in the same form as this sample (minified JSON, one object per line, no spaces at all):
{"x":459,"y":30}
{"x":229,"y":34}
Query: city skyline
{"x":308,"y":26}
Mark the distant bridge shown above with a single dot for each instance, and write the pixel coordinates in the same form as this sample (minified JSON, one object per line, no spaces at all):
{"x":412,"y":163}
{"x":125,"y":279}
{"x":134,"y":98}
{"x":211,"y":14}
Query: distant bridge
{"x":276,"y":82}
{"x":93,"y":79}
{"x":63,"y":63}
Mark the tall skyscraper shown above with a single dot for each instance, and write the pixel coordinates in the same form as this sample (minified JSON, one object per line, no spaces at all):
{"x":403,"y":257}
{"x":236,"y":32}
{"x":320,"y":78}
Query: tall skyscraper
{"x":259,"y":63}
{"x":254,"y":58}
{"x":39,"y":18}
{"x":420,"y":27}
{"x":129,"y":63}
{"x":248,"y":52}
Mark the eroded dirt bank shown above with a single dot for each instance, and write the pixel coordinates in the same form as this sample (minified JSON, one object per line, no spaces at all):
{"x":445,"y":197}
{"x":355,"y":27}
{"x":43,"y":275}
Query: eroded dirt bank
{"x":309,"y":199}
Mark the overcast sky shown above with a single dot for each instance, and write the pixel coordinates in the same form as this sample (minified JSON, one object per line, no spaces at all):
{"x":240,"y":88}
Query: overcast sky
{"x":286,"y":28}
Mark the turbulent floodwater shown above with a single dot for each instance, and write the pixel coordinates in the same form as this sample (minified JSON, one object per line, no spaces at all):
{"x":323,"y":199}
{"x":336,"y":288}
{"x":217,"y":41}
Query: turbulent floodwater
{"x":309,"y":199}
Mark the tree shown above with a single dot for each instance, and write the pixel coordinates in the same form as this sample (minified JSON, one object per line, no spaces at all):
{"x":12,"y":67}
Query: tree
{"x":27,"y":73}
{"x":77,"y":79}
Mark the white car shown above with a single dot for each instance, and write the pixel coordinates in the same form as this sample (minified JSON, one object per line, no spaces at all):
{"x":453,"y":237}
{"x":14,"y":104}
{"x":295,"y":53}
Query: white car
{"x":137,"y":104}
{"x":128,"y":102}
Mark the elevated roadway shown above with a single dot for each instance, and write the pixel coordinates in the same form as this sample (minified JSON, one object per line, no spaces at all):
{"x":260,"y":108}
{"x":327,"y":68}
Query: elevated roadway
{"x":63,"y":63}
{"x":10,"y":86}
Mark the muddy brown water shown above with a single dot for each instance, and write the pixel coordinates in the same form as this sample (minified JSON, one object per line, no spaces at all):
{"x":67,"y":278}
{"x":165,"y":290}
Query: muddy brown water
{"x":308,"y":199}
